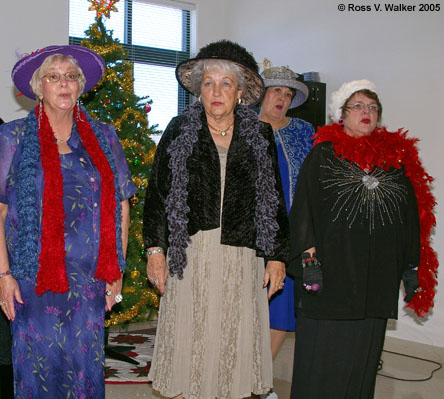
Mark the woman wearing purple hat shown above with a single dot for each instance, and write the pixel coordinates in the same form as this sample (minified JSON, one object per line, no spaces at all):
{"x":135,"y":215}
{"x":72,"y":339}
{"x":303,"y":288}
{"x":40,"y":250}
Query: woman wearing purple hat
{"x":6,"y":382}
{"x":64,"y":214}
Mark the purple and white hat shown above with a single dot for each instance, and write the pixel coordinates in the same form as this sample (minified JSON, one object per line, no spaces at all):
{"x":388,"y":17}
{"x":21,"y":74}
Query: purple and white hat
{"x":91,"y":64}
{"x":285,"y":77}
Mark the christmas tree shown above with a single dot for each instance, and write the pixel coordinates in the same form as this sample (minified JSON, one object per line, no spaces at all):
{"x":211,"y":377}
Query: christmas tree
{"x":113,"y":100}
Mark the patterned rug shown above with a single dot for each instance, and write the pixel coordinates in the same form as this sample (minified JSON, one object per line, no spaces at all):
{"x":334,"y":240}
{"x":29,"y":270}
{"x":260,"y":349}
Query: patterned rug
{"x":119,"y":372}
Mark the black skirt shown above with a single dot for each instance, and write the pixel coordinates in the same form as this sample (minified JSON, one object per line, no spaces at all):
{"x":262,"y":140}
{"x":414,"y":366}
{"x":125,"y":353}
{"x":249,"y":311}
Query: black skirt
{"x":6,"y":384}
{"x":337,"y":359}
{"x":5,"y":341}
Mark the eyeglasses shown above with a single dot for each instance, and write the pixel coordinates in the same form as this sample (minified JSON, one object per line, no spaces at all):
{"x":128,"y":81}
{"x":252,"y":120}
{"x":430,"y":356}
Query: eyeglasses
{"x":55,"y":77}
{"x":361,"y":106}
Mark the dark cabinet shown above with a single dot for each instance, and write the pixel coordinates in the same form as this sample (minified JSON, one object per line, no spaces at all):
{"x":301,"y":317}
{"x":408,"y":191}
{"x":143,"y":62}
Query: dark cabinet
{"x":313,"y":110}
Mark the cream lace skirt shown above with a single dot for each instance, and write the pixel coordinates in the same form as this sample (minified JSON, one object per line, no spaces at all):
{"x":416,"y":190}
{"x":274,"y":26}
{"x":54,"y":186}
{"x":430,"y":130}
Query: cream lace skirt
{"x":213,"y":338}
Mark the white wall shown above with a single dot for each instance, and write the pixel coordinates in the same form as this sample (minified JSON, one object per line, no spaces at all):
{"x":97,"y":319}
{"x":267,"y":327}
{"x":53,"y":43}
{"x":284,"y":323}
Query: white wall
{"x":26,"y":26}
{"x":210,"y":17}
{"x":401,"y":52}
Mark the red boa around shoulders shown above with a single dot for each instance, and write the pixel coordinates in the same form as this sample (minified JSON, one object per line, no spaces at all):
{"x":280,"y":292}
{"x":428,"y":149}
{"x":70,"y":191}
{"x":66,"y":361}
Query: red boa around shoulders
{"x":386,"y":149}
{"x":52,"y":274}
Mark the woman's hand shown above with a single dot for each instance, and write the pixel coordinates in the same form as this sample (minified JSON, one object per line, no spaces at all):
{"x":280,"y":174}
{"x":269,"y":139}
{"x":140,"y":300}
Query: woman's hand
{"x":275,"y":276}
{"x":110,"y":293}
{"x":156,"y":271}
{"x":9,"y":290}
{"x":312,"y":277}
{"x":311,"y":251}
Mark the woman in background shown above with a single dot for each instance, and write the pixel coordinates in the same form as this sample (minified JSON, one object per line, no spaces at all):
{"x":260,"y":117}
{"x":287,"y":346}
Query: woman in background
{"x":293,"y":141}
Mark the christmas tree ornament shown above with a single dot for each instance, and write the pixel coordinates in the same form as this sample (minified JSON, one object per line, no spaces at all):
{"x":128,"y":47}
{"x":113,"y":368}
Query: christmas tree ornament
{"x":135,"y":274}
{"x":103,"y":7}
{"x":147,"y":108}
{"x":134,"y":200}
{"x":129,"y":290}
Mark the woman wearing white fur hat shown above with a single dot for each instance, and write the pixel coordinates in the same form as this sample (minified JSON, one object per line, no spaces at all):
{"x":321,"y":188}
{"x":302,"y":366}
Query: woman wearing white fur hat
{"x":360,"y":223}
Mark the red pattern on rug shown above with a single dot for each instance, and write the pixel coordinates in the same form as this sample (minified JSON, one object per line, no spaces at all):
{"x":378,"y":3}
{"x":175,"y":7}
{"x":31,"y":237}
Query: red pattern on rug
{"x":119,"y":372}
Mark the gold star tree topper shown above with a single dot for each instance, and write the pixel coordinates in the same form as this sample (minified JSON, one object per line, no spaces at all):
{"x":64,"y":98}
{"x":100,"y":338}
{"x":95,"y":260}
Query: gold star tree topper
{"x":103,"y":7}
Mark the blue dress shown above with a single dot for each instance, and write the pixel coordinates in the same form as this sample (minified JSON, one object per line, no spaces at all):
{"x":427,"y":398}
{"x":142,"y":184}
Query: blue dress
{"x":58,"y":339}
{"x":293,"y":144}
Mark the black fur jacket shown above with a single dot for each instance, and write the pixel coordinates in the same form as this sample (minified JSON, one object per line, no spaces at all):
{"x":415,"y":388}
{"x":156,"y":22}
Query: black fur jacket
{"x":181,"y":204}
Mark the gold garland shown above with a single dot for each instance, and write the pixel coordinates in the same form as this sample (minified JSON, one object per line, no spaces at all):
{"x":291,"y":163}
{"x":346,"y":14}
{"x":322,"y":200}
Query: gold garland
{"x":126,"y":114}
{"x":148,"y":297}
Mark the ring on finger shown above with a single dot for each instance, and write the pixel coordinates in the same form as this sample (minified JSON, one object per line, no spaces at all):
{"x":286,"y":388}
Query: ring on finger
{"x":118,"y":298}
{"x":108,"y":293}
{"x":153,"y":281}
{"x":2,"y":303}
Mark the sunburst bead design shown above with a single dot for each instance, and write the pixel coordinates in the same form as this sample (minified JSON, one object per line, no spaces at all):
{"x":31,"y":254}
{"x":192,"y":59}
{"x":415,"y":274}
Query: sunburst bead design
{"x":375,"y":196}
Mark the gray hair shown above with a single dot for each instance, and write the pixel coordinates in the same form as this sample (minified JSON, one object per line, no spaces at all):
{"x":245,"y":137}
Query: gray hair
{"x":36,"y":80}
{"x":209,"y":65}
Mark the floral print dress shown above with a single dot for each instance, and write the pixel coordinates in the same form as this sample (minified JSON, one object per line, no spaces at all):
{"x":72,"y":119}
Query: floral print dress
{"x":58,"y":339}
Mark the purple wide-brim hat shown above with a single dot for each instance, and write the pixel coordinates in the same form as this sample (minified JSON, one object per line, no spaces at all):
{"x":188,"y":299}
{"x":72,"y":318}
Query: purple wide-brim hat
{"x":91,"y":64}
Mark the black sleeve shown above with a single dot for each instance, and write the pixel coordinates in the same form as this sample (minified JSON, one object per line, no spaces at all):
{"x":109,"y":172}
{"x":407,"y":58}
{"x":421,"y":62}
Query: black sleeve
{"x":282,"y":235}
{"x":155,"y":223}
{"x":303,"y":211}
{"x":414,"y":244}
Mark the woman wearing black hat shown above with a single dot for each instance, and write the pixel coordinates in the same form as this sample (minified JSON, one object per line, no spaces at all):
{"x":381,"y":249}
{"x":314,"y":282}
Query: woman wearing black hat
{"x":214,"y":210}
{"x":64,"y":216}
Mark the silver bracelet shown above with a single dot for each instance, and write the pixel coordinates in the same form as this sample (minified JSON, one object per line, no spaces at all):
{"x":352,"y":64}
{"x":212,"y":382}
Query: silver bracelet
{"x":7,"y":273}
{"x":155,"y":251}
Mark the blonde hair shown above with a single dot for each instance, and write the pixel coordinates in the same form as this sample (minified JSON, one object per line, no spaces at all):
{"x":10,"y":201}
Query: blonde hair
{"x":36,"y":80}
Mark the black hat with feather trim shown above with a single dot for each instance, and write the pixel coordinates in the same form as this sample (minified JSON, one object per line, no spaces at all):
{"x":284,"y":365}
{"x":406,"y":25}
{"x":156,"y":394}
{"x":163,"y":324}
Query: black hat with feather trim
{"x":230,"y":51}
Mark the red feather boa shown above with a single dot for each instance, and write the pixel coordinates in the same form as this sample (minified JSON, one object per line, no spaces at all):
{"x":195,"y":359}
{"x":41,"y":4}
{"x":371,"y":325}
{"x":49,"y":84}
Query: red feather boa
{"x":386,"y":149}
{"x":52,"y":271}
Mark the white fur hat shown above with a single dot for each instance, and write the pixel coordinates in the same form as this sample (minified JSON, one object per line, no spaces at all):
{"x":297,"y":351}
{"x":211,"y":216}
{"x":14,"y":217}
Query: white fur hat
{"x":339,"y":97}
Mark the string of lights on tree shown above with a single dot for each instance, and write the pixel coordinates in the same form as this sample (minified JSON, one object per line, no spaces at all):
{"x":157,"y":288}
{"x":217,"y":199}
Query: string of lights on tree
{"x":113,"y":100}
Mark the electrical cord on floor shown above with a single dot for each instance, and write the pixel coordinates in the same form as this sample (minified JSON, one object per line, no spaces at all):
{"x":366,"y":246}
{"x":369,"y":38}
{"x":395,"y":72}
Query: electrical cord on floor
{"x":411,"y":357}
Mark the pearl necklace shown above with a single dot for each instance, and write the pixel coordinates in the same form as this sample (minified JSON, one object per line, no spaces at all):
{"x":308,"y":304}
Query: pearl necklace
{"x":222,"y":132}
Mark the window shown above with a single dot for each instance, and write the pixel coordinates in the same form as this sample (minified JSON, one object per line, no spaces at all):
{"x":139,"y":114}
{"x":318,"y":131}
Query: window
{"x":157,"y":38}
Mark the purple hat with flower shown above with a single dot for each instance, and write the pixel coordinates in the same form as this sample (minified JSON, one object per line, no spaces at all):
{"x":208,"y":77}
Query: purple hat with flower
{"x":91,"y":64}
